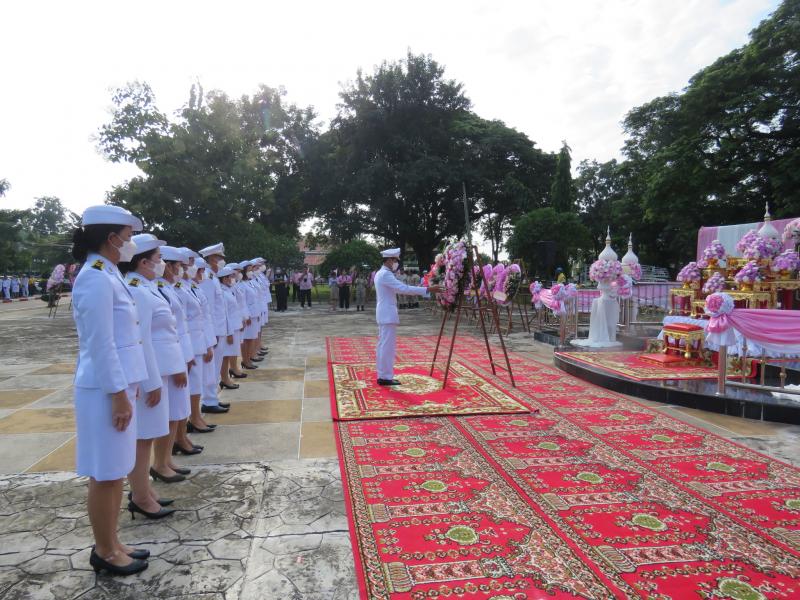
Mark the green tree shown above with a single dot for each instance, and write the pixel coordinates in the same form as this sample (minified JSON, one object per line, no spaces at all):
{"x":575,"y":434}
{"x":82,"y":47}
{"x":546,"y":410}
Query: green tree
{"x":223,"y":170}
{"x":562,"y":191}
{"x":546,"y":224}
{"x":355,"y":253}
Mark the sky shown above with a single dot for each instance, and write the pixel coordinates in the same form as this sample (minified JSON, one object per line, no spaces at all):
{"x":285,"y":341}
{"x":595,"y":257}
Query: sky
{"x":556,"y":70}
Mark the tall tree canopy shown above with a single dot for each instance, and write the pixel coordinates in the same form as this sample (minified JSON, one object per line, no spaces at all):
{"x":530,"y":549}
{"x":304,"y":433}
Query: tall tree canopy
{"x":401,"y":147}
{"x":562,"y":191}
{"x":226,"y":169}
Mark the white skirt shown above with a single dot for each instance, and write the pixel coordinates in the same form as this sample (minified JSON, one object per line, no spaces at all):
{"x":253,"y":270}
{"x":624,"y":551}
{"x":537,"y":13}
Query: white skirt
{"x":152,"y":422}
{"x":229,"y":349}
{"x":102,"y":452}
{"x":251,"y":331}
{"x":196,"y":375}
{"x":179,"y":407}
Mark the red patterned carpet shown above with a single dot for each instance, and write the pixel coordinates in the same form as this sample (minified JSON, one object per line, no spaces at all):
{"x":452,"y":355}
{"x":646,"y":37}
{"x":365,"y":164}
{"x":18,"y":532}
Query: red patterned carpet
{"x":596,"y":496}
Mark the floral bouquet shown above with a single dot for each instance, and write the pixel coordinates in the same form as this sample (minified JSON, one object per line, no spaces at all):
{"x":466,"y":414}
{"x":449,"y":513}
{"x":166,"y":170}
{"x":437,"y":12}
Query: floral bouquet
{"x":762,"y":248}
{"x":633,"y":269}
{"x":748,"y":274}
{"x":788,"y":260}
{"x":792,"y":231}
{"x":487,"y":287}
{"x":718,"y":304}
{"x":512,"y":281}
{"x":476,"y":278}
{"x":436,"y":273}
{"x":715,"y":252}
{"x":747,"y":239}
{"x":624,"y":286}
{"x":536,"y":288}
{"x":715,"y":283}
{"x":454,"y":273}
{"x":56,"y":277}
{"x":690,"y":273}
{"x":605,"y":270}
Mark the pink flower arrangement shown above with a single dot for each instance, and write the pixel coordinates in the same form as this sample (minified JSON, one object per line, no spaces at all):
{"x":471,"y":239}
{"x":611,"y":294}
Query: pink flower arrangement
{"x":718,"y":304}
{"x":535,"y":289}
{"x":762,"y":247}
{"x":454,"y":273}
{"x":56,"y":277}
{"x":787,"y":260}
{"x":513,"y":278}
{"x":714,"y":250}
{"x":792,"y":231}
{"x":690,"y":273}
{"x":748,"y":273}
{"x":715,"y":283}
{"x":747,"y":239}
{"x":605,"y":270}
{"x":624,"y":286}
{"x":633,"y":269}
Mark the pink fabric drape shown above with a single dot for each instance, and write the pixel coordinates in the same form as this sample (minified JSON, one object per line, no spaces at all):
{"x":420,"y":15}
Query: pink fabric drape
{"x":546,"y":298}
{"x":706,"y":235}
{"x":781,"y":327}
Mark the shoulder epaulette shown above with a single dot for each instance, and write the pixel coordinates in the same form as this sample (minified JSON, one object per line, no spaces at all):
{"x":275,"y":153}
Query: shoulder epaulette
{"x":160,"y":284}
{"x":211,"y":276}
{"x":134,"y":282}
{"x":195,"y":286}
{"x":178,"y":284}
{"x":98,"y":264}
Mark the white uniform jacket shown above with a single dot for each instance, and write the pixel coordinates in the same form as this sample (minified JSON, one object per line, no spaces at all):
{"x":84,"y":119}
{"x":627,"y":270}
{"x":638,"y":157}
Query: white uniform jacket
{"x":251,"y":294}
{"x":241,"y":300}
{"x":387,"y":287}
{"x":110,"y":355}
{"x":194,"y":316}
{"x":208,"y":318}
{"x":146,"y":298}
{"x":213,"y":290}
{"x":179,"y":310}
{"x":232,"y":310}
{"x":166,"y":342}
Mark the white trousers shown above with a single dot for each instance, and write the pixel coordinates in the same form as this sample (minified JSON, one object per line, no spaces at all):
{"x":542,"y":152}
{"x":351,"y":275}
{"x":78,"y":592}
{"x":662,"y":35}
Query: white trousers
{"x":385,"y":352}
{"x":211,"y":378}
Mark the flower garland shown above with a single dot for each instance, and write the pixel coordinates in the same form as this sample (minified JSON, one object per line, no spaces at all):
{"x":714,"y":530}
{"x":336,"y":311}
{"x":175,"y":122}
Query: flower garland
{"x":690,"y":273}
{"x":747,"y":239}
{"x":748,"y":274}
{"x":718,"y":304}
{"x":715,"y":250}
{"x":512,"y":281}
{"x":454,"y":273}
{"x":787,"y":260}
{"x":435,"y":274}
{"x":605,"y":270}
{"x":56,"y":277}
{"x":792,"y":231}
{"x":535,"y":289}
{"x":762,"y":248}
{"x":715,"y":283}
{"x":633,"y":269}
{"x":624,"y":286}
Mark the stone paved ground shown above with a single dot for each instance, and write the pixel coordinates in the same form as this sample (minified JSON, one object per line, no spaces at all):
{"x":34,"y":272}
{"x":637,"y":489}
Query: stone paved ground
{"x":262,"y":515}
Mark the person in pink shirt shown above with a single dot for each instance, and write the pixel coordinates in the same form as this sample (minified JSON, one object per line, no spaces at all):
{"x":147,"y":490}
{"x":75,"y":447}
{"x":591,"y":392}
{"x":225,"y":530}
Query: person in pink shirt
{"x":344,"y":280}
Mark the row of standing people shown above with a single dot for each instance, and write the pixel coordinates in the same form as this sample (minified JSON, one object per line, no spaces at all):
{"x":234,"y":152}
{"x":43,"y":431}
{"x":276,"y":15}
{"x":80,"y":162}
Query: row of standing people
{"x":160,"y":331}
{"x":343,"y":284}
{"x":15,"y":287}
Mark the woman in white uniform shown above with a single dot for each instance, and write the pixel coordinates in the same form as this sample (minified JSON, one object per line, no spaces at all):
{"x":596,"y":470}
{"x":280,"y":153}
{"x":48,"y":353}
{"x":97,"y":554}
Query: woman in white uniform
{"x":152,"y":409}
{"x":228,"y":345}
{"x":241,"y":301}
{"x":111,"y":365}
{"x":164,"y":468}
{"x":263,"y":282}
{"x":250,"y":350}
{"x":196,"y":422}
{"x":202,"y":353}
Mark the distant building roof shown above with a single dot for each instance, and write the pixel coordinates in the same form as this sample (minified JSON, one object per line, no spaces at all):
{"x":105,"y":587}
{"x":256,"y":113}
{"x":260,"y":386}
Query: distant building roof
{"x":313,"y":257}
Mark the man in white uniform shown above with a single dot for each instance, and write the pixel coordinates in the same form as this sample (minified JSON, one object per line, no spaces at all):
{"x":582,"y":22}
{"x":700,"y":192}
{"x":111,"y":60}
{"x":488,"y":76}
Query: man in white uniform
{"x":387,"y":287}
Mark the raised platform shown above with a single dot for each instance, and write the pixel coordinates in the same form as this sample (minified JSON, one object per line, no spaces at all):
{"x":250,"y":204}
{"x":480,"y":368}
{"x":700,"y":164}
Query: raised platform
{"x":692,"y":393}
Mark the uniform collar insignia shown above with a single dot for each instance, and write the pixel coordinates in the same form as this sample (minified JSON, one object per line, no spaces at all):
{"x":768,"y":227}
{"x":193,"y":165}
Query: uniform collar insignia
{"x":194,"y":286}
{"x":98,"y":264}
{"x":160,"y":284}
{"x":134,"y":282}
{"x":177,"y":284}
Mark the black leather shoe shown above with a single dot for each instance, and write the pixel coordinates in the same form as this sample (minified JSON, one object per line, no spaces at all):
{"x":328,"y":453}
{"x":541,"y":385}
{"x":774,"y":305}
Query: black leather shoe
{"x":388,"y":382}
{"x":237,"y":375}
{"x":140,"y":554}
{"x":159,"y":514}
{"x":182,"y":470}
{"x":171,"y":479}
{"x":213,"y":409}
{"x":225,"y":386}
{"x":176,"y":449}
{"x":257,"y":359}
{"x":249,"y":367}
{"x":98,"y":564}
{"x":225,"y":405}
{"x":161,"y":501}
{"x":192,"y":429}
{"x":263,"y":352}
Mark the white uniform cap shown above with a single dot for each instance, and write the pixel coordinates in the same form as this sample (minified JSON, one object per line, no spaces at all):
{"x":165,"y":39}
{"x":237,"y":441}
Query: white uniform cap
{"x":107,"y":214}
{"x":146,"y":242}
{"x":246,"y":263}
{"x":225,"y":271}
{"x":200,"y":263}
{"x":213,"y":249}
{"x":172,"y":253}
{"x":391,"y":253}
{"x":258,"y":261}
{"x":234,"y":266}
{"x":189,"y":252}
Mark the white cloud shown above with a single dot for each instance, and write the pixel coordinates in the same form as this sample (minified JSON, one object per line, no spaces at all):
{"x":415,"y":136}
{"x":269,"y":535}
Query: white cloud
{"x":554,"y":69}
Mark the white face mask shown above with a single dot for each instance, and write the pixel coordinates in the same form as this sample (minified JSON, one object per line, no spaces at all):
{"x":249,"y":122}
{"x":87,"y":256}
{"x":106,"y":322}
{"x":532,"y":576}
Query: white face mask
{"x":159,"y":267}
{"x":395,"y":266}
{"x":127,"y":251}
{"x":191,"y":271}
{"x":238,"y":277}
{"x":180,"y":272}
{"x":221,"y":265}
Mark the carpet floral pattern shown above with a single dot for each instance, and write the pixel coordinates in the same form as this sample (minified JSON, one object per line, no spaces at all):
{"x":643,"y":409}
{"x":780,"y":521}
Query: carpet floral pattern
{"x":594,"y":496}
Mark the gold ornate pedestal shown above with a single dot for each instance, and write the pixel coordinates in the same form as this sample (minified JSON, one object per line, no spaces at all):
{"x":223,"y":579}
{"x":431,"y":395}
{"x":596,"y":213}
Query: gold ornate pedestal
{"x":693,"y":342}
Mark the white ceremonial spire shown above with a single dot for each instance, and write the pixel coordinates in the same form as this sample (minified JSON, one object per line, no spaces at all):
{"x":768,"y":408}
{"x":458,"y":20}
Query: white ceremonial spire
{"x":768,"y":229}
{"x":608,"y":252}
{"x":630,"y":258}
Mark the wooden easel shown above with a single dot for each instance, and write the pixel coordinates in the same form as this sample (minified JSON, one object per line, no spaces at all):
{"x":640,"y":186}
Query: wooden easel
{"x":483,"y":305}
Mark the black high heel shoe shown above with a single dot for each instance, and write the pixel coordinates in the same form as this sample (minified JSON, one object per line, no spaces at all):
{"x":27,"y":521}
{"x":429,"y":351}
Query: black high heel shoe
{"x":192,"y":429}
{"x":161,"y":501}
{"x":235,"y":375}
{"x":263,"y":352}
{"x":176,"y":449}
{"x":181,"y":470}
{"x":257,"y":359}
{"x":98,"y":564}
{"x":250,"y":367}
{"x":171,"y":479}
{"x":162,"y":512}
{"x":225,"y":386}
{"x":139,"y":554}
